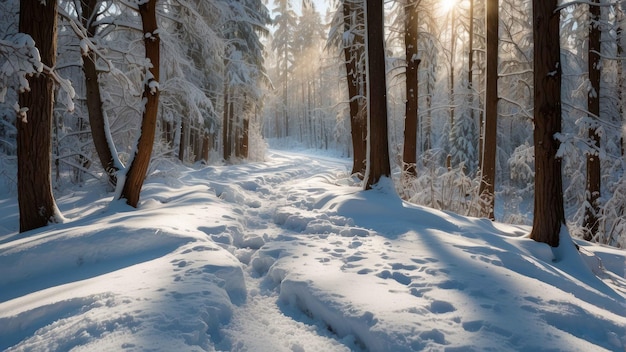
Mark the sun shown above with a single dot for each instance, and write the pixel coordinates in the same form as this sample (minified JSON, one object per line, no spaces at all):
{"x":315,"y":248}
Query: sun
{"x":446,"y":5}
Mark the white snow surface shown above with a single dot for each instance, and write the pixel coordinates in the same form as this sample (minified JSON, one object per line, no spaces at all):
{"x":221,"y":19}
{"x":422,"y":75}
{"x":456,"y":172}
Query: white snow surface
{"x":291,"y":255}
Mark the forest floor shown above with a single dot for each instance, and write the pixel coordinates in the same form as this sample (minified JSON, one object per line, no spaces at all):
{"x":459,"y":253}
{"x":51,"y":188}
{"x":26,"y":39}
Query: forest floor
{"x":290,"y":254}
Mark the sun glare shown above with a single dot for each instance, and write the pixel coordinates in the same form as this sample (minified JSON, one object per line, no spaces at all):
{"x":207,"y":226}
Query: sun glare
{"x":447,"y":5}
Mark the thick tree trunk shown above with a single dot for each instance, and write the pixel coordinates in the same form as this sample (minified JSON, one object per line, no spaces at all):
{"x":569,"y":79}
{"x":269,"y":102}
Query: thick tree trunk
{"x":411,"y":119}
{"x":141,"y":160}
{"x":548,"y":215}
{"x":592,"y":193}
{"x":489,"y":149}
{"x":34,"y":132}
{"x":353,"y":56}
{"x":94,"y":100}
{"x":378,"y":165}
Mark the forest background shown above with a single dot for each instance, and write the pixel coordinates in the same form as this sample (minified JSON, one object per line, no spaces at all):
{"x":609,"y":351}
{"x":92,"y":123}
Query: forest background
{"x":237,"y":76}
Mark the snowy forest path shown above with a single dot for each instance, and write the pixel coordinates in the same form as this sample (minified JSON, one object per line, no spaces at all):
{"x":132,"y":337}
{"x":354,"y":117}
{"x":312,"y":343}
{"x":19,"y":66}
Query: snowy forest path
{"x":263,"y":197}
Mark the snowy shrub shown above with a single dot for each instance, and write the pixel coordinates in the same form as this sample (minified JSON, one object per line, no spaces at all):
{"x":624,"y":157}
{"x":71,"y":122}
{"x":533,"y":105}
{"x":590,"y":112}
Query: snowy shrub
{"x":444,"y":188}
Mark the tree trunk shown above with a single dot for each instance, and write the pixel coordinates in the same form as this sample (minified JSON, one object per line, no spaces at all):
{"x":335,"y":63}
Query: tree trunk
{"x":592,"y":193}
{"x":489,"y":149}
{"x":411,"y":119}
{"x":182,"y":141}
{"x":452,"y":58}
{"x":34,"y":130}
{"x":206,"y":146}
{"x":104,"y":149}
{"x":226,"y":125}
{"x":621,"y":86}
{"x":245,"y":138}
{"x":353,"y":55}
{"x":141,"y":160}
{"x":378,"y":165}
{"x":548,"y":216}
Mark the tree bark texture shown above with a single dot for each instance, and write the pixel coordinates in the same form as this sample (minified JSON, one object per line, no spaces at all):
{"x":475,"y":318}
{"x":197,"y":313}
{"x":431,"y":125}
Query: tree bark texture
{"x":378,"y":145}
{"x":34,"y":136}
{"x":139,"y":166}
{"x":592,"y":193}
{"x":353,"y":55}
{"x":548,"y":214}
{"x":487,"y":186}
{"x":411,"y":119}
{"x":94,"y":100}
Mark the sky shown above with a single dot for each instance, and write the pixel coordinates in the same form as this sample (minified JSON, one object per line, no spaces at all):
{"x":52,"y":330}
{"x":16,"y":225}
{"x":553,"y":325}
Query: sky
{"x":290,"y":254}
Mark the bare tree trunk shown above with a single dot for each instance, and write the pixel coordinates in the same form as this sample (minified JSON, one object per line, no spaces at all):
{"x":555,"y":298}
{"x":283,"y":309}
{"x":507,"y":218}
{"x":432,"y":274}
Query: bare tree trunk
{"x":245,"y":138}
{"x":226,"y":124}
{"x":592,"y":193}
{"x":34,"y":148}
{"x":378,"y":165}
{"x":621,"y":94}
{"x":140,"y":162}
{"x":94,"y":99}
{"x":206,"y":145}
{"x":452,"y":58}
{"x":411,"y":119}
{"x":182,"y":141}
{"x":353,"y":55}
{"x":489,"y":149}
{"x":548,"y":215}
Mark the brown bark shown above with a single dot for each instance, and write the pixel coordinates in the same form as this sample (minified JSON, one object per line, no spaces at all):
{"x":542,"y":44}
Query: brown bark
{"x":592,"y":193}
{"x":139,"y":166}
{"x":34,"y":136}
{"x":548,"y":216}
{"x":489,"y":150}
{"x":244,"y":138}
{"x":206,"y":146}
{"x":182,"y":141}
{"x":378,"y":145}
{"x":93,"y":97}
{"x":353,"y":55}
{"x":411,"y":119}
{"x":619,"y":14}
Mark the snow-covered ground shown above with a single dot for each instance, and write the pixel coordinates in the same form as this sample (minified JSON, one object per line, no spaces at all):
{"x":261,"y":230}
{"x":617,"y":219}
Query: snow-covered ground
{"x":290,"y":255}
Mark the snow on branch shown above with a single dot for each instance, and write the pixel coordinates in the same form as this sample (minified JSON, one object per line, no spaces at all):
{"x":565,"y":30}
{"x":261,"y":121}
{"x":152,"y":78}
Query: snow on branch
{"x":22,"y":60}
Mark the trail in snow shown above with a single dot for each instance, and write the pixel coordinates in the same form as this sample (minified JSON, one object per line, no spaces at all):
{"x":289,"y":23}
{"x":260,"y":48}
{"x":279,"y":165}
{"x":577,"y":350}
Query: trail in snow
{"x":290,"y":255}
{"x":263,"y":323}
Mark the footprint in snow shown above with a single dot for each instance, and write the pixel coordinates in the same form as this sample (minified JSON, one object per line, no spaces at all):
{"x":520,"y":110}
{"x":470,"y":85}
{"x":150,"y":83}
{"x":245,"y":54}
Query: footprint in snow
{"x":441,"y":307}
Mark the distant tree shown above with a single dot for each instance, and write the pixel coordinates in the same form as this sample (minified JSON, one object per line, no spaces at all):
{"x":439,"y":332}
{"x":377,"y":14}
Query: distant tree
{"x":488,"y":165}
{"x":283,"y":44}
{"x":141,"y":159}
{"x":378,"y":165}
{"x":548,"y":214}
{"x":592,"y":191}
{"x":244,"y":73}
{"x":34,"y":125}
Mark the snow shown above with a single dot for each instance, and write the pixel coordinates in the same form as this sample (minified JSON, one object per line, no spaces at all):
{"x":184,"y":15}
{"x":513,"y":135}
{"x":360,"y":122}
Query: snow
{"x":291,"y":255}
